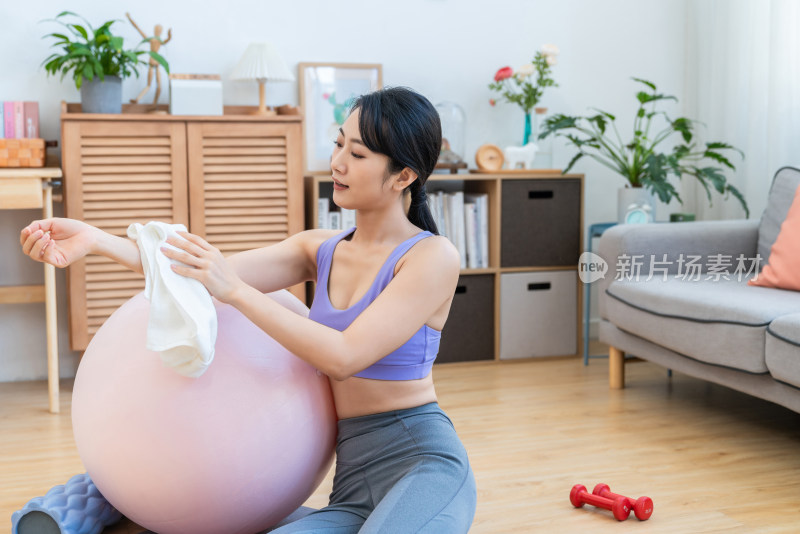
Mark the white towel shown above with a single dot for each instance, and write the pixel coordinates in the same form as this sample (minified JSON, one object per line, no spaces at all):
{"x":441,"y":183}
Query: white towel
{"x":183,"y":321}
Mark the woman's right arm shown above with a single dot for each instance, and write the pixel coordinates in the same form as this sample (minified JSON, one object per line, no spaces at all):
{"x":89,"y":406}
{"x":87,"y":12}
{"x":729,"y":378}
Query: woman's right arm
{"x":61,"y":242}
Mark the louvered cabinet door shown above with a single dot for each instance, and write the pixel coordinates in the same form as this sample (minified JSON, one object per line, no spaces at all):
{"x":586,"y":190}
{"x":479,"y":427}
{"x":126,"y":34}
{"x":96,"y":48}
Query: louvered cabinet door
{"x":117,"y":173}
{"x":245,"y":183}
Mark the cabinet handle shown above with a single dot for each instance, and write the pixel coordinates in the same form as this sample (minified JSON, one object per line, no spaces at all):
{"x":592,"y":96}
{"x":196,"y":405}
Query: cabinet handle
{"x":461,"y":289}
{"x":539,"y":286}
{"x":540,"y":194}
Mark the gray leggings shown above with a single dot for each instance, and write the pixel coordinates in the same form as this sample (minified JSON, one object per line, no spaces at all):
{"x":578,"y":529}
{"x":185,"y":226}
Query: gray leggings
{"x":402,"y":471}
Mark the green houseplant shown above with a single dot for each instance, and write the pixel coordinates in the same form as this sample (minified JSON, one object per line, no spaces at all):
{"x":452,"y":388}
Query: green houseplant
{"x":94,"y":56}
{"x":643,"y":161}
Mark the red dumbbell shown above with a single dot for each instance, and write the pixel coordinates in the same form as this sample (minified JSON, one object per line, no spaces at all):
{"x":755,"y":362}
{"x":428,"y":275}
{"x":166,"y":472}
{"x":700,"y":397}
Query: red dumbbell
{"x":621,"y":507}
{"x":642,"y":507}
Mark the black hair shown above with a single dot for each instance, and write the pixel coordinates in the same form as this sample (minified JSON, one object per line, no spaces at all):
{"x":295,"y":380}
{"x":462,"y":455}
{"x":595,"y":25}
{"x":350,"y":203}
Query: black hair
{"x":402,"y":124}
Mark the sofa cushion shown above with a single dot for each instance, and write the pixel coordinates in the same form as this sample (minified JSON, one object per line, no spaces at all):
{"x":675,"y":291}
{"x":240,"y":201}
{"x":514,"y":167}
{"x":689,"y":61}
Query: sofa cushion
{"x":783,"y":269}
{"x":783,"y":349}
{"x":781,"y":194}
{"x":720,"y":322}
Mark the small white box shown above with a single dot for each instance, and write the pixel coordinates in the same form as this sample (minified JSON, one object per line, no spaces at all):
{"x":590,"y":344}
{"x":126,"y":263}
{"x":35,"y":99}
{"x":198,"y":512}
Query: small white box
{"x":195,"y":94}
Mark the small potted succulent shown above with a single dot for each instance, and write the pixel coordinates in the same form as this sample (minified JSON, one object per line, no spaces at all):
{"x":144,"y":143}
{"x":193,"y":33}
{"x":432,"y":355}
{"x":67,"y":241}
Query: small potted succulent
{"x":96,"y":60}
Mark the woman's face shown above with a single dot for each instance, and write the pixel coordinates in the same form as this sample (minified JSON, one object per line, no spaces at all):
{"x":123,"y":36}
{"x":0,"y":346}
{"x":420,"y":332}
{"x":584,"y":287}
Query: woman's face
{"x":358,"y":173}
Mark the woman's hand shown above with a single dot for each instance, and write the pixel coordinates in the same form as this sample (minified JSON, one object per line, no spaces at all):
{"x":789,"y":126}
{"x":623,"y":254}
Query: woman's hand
{"x":59,"y":242}
{"x":206,"y":264}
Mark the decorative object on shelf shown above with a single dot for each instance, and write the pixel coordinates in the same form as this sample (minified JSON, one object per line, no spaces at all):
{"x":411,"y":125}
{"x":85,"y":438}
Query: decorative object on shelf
{"x":639,"y":214}
{"x":327,"y":90}
{"x":452,"y":168}
{"x":453,"y":122}
{"x":522,"y":89}
{"x":97,"y":61}
{"x":639,"y":161}
{"x":262,"y":63}
{"x":681,"y":217}
{"x":155,"y":43}
{"x":489,"y":158}
{"x":195,"y":94}
{"x":520,"y":156}
{"x":22,"y":152}
{"x":635,"y":198}
{"x":286,"y":109}
{"x":544,"y":156}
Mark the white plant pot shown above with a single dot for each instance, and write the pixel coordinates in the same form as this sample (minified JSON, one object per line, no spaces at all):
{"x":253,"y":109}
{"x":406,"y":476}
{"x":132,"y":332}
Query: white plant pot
{"x":628,"y":197}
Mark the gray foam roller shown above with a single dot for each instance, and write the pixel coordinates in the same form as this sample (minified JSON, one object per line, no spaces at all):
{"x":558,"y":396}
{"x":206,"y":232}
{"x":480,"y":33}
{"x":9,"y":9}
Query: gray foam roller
{"x":76,"y":507}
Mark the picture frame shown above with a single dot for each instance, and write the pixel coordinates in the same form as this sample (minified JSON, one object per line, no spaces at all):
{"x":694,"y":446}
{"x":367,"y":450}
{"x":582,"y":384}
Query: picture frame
{"x":326,"y":92}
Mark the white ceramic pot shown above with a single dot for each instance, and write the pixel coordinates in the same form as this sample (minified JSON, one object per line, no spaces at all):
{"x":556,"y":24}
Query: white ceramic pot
{"x":629,"y":198}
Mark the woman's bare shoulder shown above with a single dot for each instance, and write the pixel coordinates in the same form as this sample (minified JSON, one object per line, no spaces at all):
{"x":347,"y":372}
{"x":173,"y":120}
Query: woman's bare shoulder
{"x":310,"y":240}
{"x":436,"y":250}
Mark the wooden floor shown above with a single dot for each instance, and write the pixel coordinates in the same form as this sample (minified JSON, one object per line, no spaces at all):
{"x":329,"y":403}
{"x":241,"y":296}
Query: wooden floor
{"x":712,"y":460}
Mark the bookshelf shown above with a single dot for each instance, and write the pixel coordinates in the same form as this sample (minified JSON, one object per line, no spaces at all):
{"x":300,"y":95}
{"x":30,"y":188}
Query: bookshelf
{"x":527,"y":302}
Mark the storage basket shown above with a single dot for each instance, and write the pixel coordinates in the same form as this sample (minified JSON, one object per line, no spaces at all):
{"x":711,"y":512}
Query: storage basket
{"x":22,"y":152}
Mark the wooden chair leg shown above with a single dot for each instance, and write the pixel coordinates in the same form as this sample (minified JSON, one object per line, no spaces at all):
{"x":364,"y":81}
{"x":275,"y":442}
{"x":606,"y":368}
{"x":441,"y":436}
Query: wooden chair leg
{"x":616,"y":368}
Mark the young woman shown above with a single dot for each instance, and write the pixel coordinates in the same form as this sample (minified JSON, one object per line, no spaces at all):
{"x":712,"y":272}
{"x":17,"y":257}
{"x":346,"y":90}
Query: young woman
{"x":383,"y":293}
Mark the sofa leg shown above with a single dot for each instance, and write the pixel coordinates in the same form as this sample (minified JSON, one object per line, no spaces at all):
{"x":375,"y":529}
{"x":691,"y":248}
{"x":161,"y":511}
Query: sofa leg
{"x":616,"y":368}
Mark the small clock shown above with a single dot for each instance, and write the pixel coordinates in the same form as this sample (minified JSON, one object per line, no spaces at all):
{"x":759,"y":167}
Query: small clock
{"x":639,"y":214}
{"x":489,"y":158}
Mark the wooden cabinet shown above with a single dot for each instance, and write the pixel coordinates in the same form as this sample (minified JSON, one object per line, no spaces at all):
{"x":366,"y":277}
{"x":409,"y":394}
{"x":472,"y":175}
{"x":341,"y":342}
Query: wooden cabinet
{"x":535,"y":235}
{"x":234,"y":179}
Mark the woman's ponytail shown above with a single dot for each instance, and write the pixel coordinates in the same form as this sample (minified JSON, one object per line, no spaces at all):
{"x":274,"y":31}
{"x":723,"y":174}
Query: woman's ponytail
{"x":419,"y":213}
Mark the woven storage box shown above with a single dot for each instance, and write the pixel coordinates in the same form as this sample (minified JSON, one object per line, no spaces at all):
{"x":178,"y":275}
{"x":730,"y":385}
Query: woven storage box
{"x":22,"y":153}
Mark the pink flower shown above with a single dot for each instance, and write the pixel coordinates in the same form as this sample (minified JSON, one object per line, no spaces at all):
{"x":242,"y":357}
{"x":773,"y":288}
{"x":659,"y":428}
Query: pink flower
{"x":492,"y":101}
{"x":325,"y":96}
{"x":503,"y":73}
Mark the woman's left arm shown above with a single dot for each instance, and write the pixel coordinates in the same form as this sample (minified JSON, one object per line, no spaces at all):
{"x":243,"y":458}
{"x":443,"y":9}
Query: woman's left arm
{"x":426,"y":281}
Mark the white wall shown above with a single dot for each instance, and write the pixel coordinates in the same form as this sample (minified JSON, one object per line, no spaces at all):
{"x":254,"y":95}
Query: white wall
{"x":446,"y":49}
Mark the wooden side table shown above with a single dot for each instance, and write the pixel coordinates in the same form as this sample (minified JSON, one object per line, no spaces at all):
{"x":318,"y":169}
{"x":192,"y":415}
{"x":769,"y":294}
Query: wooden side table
{"x":28,"y":188}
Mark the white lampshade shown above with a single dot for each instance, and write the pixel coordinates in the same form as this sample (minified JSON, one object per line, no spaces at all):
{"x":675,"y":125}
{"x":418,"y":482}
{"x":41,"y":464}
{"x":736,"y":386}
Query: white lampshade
{"x":262,"y":62}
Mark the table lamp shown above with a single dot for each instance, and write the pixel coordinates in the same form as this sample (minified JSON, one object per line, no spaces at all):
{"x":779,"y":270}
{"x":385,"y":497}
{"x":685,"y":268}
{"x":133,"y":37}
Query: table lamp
{"x":262,"y":63}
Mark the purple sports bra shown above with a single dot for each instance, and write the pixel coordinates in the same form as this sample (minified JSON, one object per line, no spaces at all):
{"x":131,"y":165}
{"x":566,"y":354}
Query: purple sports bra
{"x":414,"y":358}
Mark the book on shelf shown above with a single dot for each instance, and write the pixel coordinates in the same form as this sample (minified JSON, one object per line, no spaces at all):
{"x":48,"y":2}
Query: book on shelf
{"x":348,"y":218}
{"x":464,"y":220}
{"x":8,"y":120}
{"x":471,"y":229}
{"x":31,"y":119}
{"x":481,"y":202}
{"x":19,"y":120}
{"x":328,"y":219}
{"x":334,"y":220}
{"x":323,"y":206}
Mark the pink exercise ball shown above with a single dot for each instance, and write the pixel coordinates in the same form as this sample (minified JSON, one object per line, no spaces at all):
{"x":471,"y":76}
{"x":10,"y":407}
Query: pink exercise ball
{"x":235,"y":450}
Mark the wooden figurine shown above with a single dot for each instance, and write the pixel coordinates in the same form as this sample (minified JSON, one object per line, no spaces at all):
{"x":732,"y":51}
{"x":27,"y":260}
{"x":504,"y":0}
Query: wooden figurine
{"x":155,"y":45}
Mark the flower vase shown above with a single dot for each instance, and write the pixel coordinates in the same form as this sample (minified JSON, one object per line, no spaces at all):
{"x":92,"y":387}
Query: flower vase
{"x":526,"y":138}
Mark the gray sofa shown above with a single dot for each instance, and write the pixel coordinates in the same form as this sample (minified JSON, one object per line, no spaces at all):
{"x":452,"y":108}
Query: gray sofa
{"x":708,"y":324}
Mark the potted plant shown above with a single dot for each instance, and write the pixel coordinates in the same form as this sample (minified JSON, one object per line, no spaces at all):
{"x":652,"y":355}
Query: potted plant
{"x":643,"y":161}
{"x":97,"y":61}
{"x":526,"y":86}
